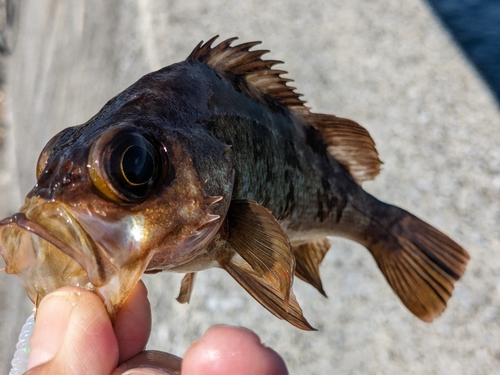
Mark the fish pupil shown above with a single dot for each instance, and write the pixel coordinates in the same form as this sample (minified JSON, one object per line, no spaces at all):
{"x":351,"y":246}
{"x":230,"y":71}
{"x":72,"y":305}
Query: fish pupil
{"x":138,"y":165}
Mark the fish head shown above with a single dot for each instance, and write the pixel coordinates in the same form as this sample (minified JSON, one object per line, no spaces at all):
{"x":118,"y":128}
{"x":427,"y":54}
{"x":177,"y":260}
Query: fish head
{"x":115,"y":197}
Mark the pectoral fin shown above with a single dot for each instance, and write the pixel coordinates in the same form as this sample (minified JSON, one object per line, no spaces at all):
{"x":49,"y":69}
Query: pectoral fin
{"x":187,"y":285}
{"x":259,"y":239}
{"x":308,"y":257}
{"x":266,"y":293}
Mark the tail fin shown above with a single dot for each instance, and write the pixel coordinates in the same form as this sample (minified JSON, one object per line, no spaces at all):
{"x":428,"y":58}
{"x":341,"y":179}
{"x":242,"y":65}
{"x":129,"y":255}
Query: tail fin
{"x":420,"y":263}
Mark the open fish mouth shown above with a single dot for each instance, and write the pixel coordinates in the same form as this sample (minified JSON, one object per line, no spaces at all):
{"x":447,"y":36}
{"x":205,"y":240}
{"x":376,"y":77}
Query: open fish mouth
{"x":48,"y":248}
{"x":39,"y":258}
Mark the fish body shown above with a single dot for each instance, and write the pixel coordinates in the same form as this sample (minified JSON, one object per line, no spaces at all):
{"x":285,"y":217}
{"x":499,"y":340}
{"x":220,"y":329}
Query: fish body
{"x":217,"y":162}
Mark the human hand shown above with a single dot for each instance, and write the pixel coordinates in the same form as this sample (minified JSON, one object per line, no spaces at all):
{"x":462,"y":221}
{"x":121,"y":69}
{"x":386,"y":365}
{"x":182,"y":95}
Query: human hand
{"x":74,"y":335}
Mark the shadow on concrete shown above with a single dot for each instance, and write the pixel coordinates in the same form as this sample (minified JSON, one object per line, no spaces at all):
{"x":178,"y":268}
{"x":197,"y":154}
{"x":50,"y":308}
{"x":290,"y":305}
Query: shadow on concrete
{"x":475,"y":25}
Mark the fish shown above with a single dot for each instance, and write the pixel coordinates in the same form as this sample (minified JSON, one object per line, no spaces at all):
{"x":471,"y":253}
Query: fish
{"x":217,"y":161}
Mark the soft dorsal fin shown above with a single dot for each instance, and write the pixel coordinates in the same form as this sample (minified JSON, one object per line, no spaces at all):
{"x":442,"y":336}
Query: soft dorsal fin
{"x":249,"y":73}
{"x":347,"y":141}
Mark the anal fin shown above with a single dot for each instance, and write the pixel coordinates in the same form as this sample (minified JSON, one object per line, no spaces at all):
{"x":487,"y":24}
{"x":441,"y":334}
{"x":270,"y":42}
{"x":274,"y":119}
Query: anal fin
{"x":187,"y":285}
{"x":308,"y":257}
{"x":266,"y":293}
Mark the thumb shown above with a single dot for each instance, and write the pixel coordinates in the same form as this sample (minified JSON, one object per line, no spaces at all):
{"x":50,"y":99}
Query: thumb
{"x":73,"y":334}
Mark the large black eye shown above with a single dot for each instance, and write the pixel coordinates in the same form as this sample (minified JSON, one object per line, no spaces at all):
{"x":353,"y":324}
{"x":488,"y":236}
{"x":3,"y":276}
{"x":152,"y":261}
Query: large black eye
{"x":138,"y":164}
{"x":127,"y":166}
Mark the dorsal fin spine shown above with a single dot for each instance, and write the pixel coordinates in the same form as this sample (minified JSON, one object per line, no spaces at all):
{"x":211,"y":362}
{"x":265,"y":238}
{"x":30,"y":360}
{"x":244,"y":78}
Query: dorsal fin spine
{"x":258,"y":75}
{"x":347,"y":142}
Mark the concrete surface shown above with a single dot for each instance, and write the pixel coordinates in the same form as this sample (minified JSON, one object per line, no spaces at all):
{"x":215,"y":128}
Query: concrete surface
{"x":387,"y":64}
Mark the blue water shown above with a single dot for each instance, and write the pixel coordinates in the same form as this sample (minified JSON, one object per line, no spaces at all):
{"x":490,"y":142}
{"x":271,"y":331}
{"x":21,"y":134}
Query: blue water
{"x":475,"y":25}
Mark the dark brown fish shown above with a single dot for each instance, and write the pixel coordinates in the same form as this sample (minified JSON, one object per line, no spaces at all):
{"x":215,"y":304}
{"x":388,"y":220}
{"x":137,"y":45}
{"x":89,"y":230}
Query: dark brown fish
{"x":216,"y":162}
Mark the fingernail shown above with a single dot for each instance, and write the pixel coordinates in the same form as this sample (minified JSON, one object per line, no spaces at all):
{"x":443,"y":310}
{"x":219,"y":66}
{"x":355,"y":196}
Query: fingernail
{"x":146,"y":371}
{"x":51,"y":325}
{"x":151,"y":362}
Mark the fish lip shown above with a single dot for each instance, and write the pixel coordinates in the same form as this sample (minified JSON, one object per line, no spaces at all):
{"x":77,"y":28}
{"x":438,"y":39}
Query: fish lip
{"x":88,"y":255}
{"x":33,"y":261}
{"x":31,"y":226}
{"x":76,"y":243}
{"x":42,"y":268}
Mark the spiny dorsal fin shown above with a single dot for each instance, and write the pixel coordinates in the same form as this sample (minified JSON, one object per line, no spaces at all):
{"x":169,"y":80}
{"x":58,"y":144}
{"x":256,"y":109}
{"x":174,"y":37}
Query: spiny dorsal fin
{"x":259,"y":239}
{"x":249,"y":73}
{"x":187,"y":285}
{"x":349,"y":143}
{"x":308,"y":257}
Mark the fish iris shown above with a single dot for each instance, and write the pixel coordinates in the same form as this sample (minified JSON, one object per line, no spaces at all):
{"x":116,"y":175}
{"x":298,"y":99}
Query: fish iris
{"x":137,"y":165}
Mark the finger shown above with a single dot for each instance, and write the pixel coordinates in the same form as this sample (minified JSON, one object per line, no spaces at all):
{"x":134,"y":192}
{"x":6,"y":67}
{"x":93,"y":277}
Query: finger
{"x":51,"y":325}
{"x":151,"y":362}
{"x":133,"y":324}
{"x":72,"y":335}
{"x":231,"y":350}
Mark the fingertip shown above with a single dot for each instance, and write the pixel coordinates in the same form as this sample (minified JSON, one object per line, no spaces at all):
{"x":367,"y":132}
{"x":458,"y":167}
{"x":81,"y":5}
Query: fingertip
{"x":231,"y":350}
{"x":51,"y":324}
{"x":150,"y":362}
{"x":133,"y":323}
{"x":73,"y":332}
{"x":222,"y":330}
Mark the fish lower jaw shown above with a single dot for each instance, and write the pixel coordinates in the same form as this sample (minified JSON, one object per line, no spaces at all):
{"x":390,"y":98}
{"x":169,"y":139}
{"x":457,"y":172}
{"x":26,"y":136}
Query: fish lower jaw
{"x":110,"y":295}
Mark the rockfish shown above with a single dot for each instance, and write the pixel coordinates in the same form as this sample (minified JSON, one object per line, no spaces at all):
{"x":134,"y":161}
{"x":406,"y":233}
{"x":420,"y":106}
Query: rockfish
{"x":217,"y":162}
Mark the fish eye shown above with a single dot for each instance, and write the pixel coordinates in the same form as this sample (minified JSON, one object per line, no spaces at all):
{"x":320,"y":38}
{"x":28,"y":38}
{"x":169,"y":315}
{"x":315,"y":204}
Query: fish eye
{"x":138,"y":164}
{"x":126,"y":166}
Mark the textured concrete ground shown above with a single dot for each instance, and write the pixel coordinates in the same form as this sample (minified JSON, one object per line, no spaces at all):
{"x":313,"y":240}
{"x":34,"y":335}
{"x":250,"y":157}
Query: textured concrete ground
{"x":387,"y":64}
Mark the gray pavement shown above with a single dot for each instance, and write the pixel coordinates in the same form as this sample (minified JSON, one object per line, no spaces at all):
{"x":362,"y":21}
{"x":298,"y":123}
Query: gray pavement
{"x":388,"y":65}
